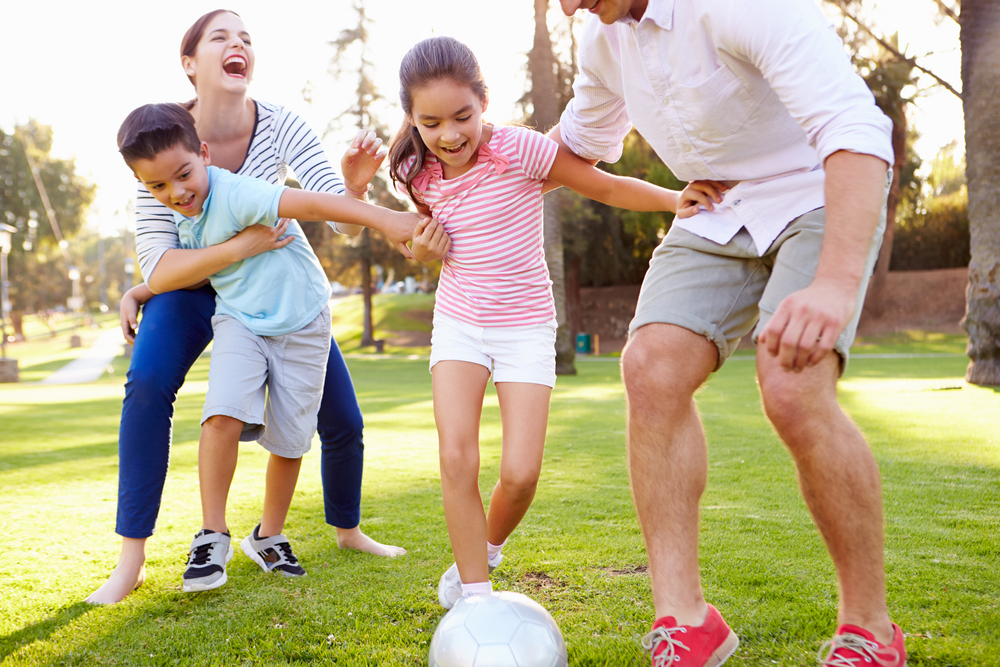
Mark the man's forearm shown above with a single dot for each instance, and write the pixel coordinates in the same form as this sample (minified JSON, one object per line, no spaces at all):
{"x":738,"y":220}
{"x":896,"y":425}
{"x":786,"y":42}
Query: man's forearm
{"x":855,"y":195}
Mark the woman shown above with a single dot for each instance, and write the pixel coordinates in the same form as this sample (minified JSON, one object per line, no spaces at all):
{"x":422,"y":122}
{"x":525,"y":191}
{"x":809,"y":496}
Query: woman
{"x":247,"y":137}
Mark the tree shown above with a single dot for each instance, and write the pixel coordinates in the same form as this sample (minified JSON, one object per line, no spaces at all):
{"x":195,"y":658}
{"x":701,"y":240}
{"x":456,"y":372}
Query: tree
{"x":37,"y":265}
{"x":980,"y":41}
{"x":364,"y":249}
{"x":545,"y":111}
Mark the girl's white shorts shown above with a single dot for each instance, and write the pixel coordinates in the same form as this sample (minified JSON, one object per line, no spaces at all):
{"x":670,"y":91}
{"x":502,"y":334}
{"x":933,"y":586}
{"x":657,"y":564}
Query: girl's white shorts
{"x":511,"y":354}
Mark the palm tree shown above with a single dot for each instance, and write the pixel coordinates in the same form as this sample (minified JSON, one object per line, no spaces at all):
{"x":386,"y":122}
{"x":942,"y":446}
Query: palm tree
{"x":980,"y":40}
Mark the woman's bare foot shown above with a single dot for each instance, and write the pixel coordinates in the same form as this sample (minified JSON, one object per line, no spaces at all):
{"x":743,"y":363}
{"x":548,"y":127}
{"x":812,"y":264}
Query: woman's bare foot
{"x":128,"y":575}
{"x":353,"y":538}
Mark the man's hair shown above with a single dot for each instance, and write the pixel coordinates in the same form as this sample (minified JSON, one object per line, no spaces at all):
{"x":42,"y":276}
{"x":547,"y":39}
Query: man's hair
{"x":154,"y":128}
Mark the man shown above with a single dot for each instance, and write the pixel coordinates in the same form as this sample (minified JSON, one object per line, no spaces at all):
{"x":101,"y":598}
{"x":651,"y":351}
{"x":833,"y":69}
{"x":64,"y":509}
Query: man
{"x":761,"y":97}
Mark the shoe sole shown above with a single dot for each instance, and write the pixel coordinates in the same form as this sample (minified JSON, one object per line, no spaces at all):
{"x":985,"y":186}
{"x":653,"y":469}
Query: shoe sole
{"x":725,"y":651}
{"x":196,"y":587}
{"x":253,"y":555}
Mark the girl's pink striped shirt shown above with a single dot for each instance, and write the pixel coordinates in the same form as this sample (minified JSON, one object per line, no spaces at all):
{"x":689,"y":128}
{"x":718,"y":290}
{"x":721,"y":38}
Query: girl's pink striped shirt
{"x":495,"y":273}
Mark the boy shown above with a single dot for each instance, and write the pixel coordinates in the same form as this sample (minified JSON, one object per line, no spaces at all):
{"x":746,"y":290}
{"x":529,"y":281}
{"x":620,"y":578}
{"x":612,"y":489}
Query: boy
{"x":271,"y":328}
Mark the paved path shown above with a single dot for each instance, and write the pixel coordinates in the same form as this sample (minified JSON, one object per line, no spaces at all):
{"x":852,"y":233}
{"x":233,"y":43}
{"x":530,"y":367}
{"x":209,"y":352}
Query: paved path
{"x":92,"y":363}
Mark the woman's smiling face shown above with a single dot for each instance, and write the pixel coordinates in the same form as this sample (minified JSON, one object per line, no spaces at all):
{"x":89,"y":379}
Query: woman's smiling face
{"x":224,"y":57}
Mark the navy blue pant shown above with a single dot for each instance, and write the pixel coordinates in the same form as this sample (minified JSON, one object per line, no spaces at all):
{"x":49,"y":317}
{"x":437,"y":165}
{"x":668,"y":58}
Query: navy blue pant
{"x":175,"y":329}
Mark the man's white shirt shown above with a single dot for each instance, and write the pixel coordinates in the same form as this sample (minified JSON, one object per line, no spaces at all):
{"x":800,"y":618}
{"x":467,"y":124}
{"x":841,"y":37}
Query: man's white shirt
{"x":757,"y":92}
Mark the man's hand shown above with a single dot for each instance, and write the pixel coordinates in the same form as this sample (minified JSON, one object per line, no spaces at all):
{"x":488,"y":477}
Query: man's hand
{"x":697,"y":195}
{"x":361,"y":160}
{"x":430,"y":241}
{"x":256,"y":239}
{"x":807,"y":323}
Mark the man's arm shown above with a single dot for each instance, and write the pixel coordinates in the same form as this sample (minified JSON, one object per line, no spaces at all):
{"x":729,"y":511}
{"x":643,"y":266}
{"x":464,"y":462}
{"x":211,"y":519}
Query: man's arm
{"x":807,"y":323}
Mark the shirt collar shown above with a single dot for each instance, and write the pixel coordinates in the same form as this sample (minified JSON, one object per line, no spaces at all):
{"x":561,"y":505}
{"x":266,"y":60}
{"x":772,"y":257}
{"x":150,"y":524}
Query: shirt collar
{"x":660,"y":12}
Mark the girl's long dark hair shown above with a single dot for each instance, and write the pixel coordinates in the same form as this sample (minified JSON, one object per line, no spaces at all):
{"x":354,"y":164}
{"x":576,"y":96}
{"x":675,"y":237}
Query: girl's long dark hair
{"x":430,"y":60}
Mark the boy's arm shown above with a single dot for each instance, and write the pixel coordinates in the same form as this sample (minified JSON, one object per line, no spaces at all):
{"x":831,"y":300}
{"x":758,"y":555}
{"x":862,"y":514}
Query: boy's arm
{"x":629,"y":193}
{"x":397,"y":226}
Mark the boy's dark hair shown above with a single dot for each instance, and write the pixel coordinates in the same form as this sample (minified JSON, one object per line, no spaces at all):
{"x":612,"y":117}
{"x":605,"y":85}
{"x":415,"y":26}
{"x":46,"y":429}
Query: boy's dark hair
{"x":154,"y":128}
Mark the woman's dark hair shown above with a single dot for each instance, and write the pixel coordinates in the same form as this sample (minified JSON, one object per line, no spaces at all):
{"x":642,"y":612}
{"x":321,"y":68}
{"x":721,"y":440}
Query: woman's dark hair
{"x":431,"y":60}
{"x":154,"y":128}
{"x":193,"y":35}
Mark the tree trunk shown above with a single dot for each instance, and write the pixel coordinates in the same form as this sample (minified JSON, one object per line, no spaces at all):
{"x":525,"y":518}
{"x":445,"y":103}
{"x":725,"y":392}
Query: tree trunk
{"x":875,"y":300}
{"x":980,"y":39}
{"x":368,"y":333}
{"x":574,"y":309}
{"x":545,"y":104}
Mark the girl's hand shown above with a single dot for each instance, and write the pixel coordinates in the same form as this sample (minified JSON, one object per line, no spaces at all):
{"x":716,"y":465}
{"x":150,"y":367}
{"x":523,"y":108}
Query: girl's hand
{"x":430,"y":241}
{"x":256,"y":239}
{"x":128,"y":310}
{"x":698,"y":194}
{"x":361,"y":160}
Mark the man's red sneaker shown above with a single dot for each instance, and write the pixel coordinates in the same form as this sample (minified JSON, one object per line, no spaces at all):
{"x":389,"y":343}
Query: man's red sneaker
{"x":853,"y":646}
{"x":707,"y":645}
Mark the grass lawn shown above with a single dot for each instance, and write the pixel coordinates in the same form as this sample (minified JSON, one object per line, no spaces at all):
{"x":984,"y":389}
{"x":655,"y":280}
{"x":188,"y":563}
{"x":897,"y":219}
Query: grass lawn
{"x":578,"y":552}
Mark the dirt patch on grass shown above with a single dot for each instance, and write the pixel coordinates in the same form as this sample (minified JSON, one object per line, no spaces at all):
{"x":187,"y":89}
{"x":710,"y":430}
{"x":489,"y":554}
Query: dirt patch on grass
{"x":540,"y":581}
{"x":612,"y":572}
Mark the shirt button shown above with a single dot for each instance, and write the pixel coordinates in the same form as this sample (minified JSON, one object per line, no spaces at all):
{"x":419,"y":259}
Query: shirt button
{"x":737,"y":202}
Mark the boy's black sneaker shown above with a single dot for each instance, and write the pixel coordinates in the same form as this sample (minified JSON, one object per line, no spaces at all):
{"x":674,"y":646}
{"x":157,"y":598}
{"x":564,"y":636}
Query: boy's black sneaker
{"x":273,"y":554}
{"x":206,"y":566}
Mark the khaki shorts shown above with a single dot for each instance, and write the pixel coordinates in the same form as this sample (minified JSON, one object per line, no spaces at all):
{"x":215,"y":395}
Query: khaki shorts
{"x":272,"y":380}
{"x":722,"y":291}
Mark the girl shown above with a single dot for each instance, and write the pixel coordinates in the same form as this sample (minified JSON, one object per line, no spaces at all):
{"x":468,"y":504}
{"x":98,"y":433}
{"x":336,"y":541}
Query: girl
{"x":494,"y":311}
{"x":245,"y":136}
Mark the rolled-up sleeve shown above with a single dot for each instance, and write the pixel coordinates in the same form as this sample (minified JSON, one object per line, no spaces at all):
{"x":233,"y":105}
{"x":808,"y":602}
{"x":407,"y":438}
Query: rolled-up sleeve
{"x":595,"y":121}
{"x":801,"y":57}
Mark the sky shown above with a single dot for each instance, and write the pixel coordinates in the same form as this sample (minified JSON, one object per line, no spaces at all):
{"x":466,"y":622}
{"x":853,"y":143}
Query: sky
{"x":82,"y":66}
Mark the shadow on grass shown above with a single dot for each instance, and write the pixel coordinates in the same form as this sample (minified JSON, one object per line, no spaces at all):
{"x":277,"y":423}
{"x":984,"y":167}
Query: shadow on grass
{"x":43,"y":629}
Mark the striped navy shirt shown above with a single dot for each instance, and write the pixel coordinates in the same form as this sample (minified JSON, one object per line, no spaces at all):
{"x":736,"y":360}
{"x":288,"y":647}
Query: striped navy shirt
{"x":280,"y":140}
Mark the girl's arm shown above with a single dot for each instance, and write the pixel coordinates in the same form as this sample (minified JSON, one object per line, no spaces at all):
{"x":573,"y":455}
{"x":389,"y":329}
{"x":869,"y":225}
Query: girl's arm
{"x":397,"y":226}
{"x":631,"y":193}
{"x":360,"y":162}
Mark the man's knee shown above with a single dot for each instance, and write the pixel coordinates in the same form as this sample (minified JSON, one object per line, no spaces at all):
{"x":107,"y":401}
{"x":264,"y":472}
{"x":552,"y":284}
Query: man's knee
{"x":664,"y":363}
{"x":793,"y":401}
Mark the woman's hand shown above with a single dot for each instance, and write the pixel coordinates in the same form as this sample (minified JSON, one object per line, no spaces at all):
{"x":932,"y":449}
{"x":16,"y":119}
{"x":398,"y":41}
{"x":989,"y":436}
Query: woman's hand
{"x":128,"y":310}
{"x":256,"y":239}
{"x":361,"y":160}
{"x":698,"y":194}
{"x":430,"y":241}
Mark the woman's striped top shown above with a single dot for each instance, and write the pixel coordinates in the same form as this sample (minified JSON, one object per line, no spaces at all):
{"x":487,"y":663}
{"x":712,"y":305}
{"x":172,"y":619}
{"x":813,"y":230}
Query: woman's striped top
{"x":280,"y":140}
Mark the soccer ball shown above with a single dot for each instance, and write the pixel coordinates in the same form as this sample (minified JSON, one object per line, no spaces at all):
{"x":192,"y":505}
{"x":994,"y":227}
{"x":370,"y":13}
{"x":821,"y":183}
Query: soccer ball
{"x":497,"y":630}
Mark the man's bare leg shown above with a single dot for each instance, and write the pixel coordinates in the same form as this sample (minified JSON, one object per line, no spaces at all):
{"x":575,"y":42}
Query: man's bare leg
{"x":128,"y":575}
{"x":662,"y":367}
{"x":840,"y":482}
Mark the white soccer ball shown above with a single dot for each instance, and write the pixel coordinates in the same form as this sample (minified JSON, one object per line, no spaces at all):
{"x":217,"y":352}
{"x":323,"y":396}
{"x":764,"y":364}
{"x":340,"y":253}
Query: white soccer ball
{"x":497,"y":630}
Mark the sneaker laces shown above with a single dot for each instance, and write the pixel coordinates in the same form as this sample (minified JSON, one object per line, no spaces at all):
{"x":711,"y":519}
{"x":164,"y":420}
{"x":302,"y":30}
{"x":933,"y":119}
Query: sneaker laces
{"x":867,"y":651}
{"x":652,"y":641}
{"x":286,"y":551}
{"x":200,"y":555}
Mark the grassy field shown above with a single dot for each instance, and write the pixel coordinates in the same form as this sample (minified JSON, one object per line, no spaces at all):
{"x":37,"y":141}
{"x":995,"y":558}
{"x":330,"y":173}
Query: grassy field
{"x":578,"y":552}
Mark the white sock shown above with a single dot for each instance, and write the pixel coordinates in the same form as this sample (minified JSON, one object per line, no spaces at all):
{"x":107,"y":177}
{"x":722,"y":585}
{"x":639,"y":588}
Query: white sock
{"x":493,"y":552}
{"x":477,"y":588}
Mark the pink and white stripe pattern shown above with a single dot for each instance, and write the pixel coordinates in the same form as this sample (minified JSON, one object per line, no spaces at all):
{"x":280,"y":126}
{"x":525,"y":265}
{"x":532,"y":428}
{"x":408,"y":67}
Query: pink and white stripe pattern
{"x":495,"y":273}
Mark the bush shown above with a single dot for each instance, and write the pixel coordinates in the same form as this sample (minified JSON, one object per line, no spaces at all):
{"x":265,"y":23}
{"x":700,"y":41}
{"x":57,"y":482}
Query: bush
{"x":937,"y":238}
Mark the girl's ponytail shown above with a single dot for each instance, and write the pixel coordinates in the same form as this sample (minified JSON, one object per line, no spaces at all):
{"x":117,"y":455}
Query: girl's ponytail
{"x":407,"y":142}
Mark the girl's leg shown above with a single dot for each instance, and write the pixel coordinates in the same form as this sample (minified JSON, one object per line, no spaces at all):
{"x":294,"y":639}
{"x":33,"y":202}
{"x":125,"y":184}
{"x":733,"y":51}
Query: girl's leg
{"x":524,"y":414}
{"x":175,"y":329}
{"x":459,"y":387}
{"x":218,"y":451}
{"x":341,"y":427}
{"x":282,"y":476}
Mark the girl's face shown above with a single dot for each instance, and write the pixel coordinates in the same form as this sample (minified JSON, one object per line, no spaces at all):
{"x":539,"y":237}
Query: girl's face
{"x":449,"y":117}
{"x":224,"y":58}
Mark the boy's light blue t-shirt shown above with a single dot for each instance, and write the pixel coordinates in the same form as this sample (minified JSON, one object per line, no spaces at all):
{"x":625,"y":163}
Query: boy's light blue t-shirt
{"x":273,"y":293}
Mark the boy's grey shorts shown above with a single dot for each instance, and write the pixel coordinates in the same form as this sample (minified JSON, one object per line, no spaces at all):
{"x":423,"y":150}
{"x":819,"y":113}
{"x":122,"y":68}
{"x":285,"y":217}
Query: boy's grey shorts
{"x":721,"y":291}
{"x":291,"y":368}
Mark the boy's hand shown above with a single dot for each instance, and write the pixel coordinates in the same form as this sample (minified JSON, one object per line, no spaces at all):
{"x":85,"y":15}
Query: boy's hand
{"x":361,"y":160}
{"x":256,"y":239}
{"x":698,"y":194}
{"x":430,"y":241}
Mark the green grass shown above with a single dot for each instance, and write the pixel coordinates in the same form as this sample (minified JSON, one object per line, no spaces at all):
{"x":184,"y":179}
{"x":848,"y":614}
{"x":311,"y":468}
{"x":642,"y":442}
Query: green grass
{"x":578,"y":551}
{"x":391,"y":313}
{"x":43,"y":352}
